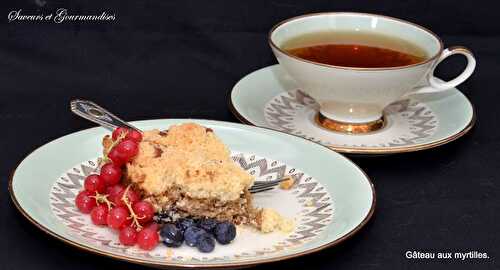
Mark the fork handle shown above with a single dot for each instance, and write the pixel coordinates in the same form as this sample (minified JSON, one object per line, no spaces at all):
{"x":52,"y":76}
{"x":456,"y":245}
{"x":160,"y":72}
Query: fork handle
{"x":97,"y":114}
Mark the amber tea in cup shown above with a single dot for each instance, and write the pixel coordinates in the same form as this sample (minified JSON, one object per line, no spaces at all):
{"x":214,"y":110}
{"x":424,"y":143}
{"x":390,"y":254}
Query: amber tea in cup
{"x":355,"y":49}
{"x":355,"y":64}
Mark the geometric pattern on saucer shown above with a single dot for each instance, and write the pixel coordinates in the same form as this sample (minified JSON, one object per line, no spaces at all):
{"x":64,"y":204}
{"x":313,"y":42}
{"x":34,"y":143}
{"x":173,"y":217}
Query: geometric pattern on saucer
{"x":308,"y":202}
{"x":408,"y":122}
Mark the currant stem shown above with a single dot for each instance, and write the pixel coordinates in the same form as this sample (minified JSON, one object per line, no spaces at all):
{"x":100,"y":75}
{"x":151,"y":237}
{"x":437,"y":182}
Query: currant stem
{"x":133,"y":215}
{"x":102,"y":198}
{"x":114,"y":143}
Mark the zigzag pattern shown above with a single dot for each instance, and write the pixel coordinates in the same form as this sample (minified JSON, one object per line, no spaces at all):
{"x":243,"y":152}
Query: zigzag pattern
{"x":422,"y":123}
{"x":261,"y":164}
{"x":283,"y":107}
{"x":316,"y":215}
{"x":63,"y":194}
{"x":308,"y":192}
{"x":280,"y":111}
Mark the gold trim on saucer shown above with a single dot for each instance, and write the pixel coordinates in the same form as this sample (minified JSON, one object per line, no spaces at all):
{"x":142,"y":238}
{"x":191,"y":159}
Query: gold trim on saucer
{"x":375,"y":150}
{"x":349,"y":128}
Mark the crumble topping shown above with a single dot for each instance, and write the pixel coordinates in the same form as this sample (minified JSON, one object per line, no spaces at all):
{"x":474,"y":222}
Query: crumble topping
{"x":190,"y":157}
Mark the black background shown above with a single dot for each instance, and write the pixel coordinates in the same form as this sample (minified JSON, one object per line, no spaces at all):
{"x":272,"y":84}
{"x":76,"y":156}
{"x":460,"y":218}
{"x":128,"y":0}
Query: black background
{"x":180,"y":59}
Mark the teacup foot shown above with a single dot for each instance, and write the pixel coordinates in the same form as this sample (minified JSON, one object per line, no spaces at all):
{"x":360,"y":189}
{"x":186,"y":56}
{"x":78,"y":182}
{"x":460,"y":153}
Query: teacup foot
{"x":349,"y":128}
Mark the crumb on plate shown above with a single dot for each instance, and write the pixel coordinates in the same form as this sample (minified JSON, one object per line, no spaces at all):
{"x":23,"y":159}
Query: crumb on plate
{"x":270,"y":221}
{"x":288,"y":183}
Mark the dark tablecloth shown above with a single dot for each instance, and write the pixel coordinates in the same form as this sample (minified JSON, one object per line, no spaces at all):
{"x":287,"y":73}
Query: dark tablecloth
{"x":180,"y":59}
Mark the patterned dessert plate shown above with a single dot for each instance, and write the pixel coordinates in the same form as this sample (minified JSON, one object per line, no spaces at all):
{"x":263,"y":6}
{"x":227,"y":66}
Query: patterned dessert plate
{"x":269,"y":98}
{"x":328,"y":206}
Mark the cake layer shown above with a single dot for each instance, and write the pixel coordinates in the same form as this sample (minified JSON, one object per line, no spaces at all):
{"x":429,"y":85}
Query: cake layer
{"x":239,"y":211}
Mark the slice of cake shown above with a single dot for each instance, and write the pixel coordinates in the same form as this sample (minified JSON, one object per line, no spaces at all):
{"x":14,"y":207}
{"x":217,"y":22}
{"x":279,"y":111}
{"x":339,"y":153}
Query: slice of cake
{"x":188,"y":171}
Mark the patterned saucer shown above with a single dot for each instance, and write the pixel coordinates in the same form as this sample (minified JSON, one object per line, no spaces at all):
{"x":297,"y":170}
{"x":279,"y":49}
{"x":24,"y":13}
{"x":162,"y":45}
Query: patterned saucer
{"x":269,"y":98}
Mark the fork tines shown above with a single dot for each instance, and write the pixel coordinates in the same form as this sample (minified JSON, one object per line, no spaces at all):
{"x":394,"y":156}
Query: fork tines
{"x":256,"y":190}
{"x":260,"y":186}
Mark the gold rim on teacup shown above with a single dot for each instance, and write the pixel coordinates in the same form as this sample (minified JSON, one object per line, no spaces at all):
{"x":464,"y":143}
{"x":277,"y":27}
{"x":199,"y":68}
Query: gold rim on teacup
{"x":352,"y":99}
{"x":273,"y":45}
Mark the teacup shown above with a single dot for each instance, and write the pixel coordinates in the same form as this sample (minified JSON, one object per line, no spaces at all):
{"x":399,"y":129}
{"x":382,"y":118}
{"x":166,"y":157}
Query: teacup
{"x":352,"y":99}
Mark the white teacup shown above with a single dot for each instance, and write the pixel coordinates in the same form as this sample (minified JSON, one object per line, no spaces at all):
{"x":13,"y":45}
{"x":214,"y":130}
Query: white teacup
{"x":353,"y":99}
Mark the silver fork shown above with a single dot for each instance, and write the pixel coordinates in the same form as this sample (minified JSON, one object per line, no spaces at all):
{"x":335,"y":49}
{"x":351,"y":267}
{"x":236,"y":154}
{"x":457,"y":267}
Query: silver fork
{"x":97,"y":114}
{"x":260,"y":186}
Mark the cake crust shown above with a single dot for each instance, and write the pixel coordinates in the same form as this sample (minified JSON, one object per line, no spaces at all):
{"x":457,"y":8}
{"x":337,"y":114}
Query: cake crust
{"x":189,"y":157}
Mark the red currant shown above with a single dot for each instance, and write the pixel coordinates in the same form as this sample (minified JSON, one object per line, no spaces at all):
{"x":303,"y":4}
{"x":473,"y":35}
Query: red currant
{"x":147,"y":239}
{"x":94,"y":183}
{"x":131,"y":195}
{"x":114,"y":192}
{"x":134,"y":135}
{"x":128,"y":148}
{"x":144,"y":211}
{"x":152,"y":226}
{"x":117,"y":157}
{"x":99,"y":214}
{"x":111,"y":174}
{"x":84,"y":202}
{"x":128,"y":236}
{"x":118,"y":131}
{"x":118,"y":218}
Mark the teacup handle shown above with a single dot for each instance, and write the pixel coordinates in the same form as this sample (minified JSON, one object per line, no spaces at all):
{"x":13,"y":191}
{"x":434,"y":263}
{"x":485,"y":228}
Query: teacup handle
{"x":437,"y":85}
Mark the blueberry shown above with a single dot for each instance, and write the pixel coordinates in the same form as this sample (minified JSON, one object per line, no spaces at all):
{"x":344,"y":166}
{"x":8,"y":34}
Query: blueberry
{"x":206,"y":243}
{"x":225,"y":232}
{"x":191,"y":235}
{"x":185,"y":223}
{"x":171,"y":235}
{"x":208,"y":224}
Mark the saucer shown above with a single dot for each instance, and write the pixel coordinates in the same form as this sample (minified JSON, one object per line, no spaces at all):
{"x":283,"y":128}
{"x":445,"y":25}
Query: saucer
{"x":270,"y":98}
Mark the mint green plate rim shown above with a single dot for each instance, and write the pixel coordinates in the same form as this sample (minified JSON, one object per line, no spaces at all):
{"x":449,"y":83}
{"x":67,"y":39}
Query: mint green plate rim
{"x":210,"y":123}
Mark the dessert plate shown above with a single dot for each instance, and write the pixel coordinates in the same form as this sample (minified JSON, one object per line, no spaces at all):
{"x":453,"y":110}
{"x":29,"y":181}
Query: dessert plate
{"x":269,"y":98}
{"x":328,"y":206}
